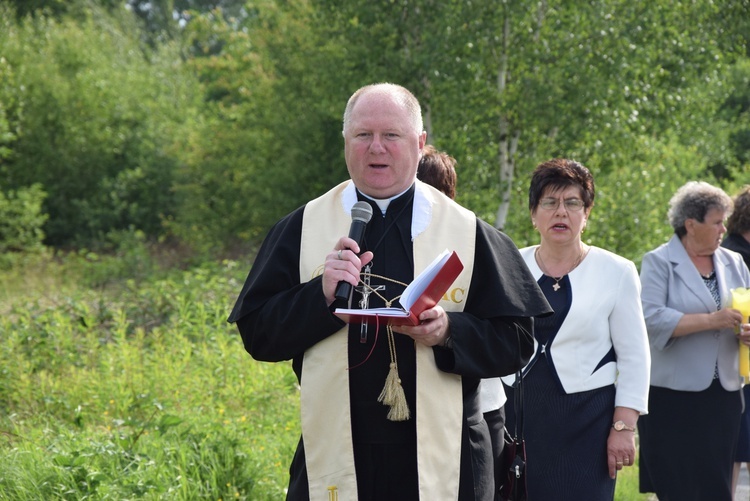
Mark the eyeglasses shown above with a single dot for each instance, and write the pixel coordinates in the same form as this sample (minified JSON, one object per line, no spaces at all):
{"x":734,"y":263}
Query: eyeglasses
{"x":571,"y":204}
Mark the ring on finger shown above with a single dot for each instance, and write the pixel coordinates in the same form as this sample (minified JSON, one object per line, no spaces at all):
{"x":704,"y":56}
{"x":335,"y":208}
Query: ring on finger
{"x":339,"y":254}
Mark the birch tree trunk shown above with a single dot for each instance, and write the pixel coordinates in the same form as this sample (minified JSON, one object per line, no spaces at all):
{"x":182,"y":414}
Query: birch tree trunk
{"x":507,"y":142}
{"x":508,"y":138}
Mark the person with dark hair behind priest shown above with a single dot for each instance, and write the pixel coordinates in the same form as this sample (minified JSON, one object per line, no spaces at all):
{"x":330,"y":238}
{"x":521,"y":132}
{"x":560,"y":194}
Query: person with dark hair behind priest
{"x":438,"y":169}
{"x":430,"y":441}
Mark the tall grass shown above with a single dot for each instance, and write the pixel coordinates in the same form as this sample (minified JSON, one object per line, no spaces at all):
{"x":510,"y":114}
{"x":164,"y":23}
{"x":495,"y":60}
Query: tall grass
{"x":138,"y":389}
{"x":121,"y":385}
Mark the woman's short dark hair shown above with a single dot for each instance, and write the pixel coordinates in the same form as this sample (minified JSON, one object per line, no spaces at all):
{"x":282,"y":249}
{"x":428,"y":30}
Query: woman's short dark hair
{"x":693,"y":200}
{"x":437,"y":169}
{"x":558,"y":174}
{"x":739,"y":221}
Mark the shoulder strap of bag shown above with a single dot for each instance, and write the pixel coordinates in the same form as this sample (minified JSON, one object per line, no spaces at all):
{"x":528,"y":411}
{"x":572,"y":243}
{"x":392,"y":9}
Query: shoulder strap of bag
{"x":518,"y":389}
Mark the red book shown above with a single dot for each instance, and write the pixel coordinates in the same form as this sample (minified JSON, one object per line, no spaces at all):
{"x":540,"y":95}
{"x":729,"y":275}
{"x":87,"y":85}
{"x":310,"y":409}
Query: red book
{"x":422,"y":294}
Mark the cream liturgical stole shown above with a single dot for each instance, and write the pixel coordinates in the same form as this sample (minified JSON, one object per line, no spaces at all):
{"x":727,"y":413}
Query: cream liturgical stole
{"x":437,"y":224}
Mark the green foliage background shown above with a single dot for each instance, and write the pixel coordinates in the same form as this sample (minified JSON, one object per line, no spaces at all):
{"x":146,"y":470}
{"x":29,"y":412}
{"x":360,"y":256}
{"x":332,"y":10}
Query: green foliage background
{"x":199,"y":123}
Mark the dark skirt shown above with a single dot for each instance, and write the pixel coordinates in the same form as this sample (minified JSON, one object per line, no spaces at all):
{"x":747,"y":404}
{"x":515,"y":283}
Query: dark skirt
{"x":687,"y":443}
{"x":743,"y":444}
{"x":566,"y":438}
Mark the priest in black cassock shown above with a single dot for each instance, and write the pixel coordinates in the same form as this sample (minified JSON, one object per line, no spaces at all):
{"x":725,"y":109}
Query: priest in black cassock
{"x":388,"y":413}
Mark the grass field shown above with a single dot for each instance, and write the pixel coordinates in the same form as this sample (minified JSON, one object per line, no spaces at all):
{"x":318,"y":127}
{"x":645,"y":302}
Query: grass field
{"x":119,"y":380}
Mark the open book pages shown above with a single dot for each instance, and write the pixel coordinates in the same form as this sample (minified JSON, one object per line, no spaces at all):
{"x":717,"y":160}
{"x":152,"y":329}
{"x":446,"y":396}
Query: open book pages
{"x":424,"y":292}
{"x":418,"y":286}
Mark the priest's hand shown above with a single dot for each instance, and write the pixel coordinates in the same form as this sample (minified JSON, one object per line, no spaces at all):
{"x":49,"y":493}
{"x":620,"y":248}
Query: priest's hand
{"x":343,"y":265}
{"x":433,"y":328}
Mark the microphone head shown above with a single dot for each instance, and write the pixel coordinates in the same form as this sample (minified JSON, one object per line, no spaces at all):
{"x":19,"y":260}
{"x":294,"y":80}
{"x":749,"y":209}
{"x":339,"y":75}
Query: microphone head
{"x":362,"y":211}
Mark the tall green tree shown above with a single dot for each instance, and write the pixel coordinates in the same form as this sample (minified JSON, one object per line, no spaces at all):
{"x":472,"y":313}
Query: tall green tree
{"x":506,"y":85}
{"x":562,"y":79}
{"x":615,"y":84}
{"x":92,"y":118}
{"x":272,"y":133}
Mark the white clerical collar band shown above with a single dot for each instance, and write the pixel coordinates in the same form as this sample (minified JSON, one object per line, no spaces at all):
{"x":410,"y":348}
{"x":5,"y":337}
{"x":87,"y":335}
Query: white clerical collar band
{"x":422,"y":212}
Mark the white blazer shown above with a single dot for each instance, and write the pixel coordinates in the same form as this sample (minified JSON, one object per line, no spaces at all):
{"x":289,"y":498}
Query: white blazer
{"x":605,"y":312}
{"x":673,"y":287}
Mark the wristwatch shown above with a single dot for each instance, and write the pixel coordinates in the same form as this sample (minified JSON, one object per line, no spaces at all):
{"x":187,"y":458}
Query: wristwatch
{"x":620,"y":426}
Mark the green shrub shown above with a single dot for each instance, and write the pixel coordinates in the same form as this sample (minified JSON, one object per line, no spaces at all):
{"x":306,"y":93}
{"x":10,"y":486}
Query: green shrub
{"x":137,"y":388}
{"x":92,"y":116}
{"x":22,"y":219}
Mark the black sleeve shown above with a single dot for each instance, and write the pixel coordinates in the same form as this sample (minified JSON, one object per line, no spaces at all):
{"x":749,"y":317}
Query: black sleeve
{"x":493,"y":335}
{"x":279,"y":317}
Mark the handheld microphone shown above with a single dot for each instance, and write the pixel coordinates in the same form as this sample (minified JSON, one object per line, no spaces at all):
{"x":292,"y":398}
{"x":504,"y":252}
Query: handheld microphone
{"x":361,"y":215}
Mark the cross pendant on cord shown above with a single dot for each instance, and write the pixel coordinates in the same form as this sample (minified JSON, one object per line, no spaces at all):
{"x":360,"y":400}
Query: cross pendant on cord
{"x":365,"y":290}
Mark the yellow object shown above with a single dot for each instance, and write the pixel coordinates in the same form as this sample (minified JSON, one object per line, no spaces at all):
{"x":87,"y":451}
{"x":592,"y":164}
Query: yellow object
{"x":745,"y":362}
{"x":741,"y":302}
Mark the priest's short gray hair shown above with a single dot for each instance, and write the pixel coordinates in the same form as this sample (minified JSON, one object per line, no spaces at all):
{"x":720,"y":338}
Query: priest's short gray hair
{"x":402,"y":95}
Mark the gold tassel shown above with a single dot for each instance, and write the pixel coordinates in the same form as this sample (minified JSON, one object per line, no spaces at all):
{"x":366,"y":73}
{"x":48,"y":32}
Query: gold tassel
{"x":392,"y":382}
{"x":399,"y":409}
{"x":393,"y":393}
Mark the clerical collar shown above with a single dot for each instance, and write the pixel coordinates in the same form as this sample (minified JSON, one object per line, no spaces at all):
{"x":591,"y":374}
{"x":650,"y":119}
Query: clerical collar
{"x":383,"y":203}
{"x":424,"y":198}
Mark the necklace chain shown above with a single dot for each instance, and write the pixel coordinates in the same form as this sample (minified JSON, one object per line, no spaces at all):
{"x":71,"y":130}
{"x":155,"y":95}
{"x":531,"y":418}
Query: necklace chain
{"x":540,"y":261}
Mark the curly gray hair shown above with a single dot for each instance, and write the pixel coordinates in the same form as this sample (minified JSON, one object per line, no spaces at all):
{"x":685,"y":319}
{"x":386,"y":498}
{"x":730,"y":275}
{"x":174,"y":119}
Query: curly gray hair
{"x":693,"y":200}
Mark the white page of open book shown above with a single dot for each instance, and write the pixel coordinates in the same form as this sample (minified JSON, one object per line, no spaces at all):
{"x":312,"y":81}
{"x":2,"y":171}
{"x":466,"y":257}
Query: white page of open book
{"x":417,"y":287}
{"x":411,"y":293}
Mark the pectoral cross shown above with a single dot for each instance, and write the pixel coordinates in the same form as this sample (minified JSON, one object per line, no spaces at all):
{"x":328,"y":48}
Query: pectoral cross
{"x":365,"y":290}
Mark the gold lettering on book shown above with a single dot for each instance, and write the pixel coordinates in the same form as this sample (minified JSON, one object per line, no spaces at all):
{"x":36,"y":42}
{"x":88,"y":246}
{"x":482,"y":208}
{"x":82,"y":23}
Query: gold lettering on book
{"x":455,"y":295}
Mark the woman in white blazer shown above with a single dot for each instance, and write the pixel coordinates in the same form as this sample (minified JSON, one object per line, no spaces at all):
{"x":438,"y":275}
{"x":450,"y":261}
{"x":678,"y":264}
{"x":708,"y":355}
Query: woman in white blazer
{"x":588,"y":380}
{"x":687,"y":441}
